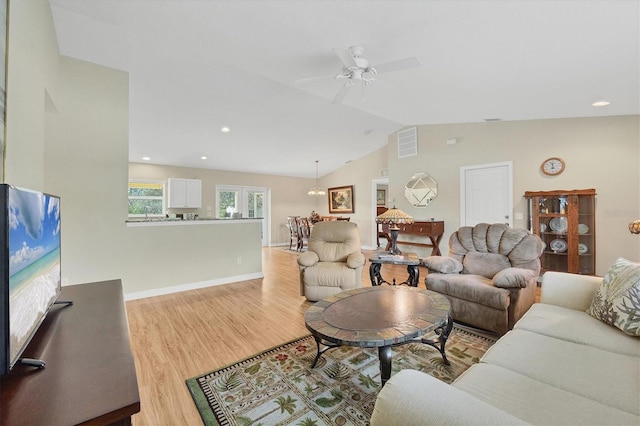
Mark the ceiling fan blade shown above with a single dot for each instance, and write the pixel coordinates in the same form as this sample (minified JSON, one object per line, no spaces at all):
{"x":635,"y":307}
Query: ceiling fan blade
{"x":401,"y":64}
{"x":312,"y":79}
{"x":341,"y":94}
{"x":345,"y":57}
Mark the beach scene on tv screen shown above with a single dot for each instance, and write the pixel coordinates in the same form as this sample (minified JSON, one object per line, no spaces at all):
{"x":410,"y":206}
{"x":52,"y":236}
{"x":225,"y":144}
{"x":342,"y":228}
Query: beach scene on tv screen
{"x":34,"y":266}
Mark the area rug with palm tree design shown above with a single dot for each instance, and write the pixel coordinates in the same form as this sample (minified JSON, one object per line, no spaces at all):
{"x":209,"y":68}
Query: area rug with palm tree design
{"x":279,"y":386}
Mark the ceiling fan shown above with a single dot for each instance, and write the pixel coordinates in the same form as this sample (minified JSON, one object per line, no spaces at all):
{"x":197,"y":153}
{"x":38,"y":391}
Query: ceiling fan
{"x":356,"y":68}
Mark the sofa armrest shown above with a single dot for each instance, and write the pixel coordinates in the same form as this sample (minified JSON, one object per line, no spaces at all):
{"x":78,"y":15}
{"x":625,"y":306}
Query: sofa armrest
{"x":443,"y":265}
{"x":411,"y":398}
{"x":569,"y":290}
{"x":308,"y":258}
{"x":355,"y":260}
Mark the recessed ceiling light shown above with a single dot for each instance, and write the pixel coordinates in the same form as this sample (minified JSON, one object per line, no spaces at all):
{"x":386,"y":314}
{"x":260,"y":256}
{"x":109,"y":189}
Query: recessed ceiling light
{"x":204,"y":157}
{"x":225,"y":129}
{"x":146,"y":158}
{"x":600,"y":103}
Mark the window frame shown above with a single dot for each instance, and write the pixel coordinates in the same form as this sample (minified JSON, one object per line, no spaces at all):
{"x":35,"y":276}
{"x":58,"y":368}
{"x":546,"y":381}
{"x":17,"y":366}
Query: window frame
{"x":163,"y":198}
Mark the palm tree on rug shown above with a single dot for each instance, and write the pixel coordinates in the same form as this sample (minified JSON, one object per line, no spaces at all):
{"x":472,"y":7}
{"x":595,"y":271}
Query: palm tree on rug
{"x":287,"y":404}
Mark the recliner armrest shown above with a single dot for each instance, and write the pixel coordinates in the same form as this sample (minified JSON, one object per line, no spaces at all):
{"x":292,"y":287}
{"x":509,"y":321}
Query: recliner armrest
{"x":443,"y":265}
{"x":308,"y":258}
{"x":355,"y":260}
{"x":513,"y":278}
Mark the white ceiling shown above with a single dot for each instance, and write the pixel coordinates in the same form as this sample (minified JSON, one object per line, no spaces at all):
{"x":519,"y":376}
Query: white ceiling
{"x":196,"y":66}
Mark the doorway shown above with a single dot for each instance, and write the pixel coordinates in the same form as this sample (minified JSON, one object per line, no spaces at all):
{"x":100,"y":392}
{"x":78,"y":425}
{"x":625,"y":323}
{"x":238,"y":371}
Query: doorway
{"x":377,"y":184}
{"x":486,"y":194}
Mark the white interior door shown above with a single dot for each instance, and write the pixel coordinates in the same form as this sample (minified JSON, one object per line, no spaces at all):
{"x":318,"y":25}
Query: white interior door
{"x":486,"y":194}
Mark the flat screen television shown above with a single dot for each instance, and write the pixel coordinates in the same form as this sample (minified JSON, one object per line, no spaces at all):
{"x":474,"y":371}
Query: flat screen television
{"x":30,"y":275}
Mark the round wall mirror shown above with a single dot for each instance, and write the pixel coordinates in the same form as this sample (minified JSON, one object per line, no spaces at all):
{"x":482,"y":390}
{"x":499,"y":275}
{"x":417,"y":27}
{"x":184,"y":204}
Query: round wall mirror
{"x":421,"y":190}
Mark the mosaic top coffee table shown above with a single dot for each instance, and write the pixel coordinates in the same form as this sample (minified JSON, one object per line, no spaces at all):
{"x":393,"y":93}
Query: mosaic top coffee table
{"x":381,"y":258}
{"x":380,"y":316}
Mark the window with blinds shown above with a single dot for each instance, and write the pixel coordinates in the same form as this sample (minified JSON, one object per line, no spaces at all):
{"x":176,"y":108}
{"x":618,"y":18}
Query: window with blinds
{"x":146,"y":199}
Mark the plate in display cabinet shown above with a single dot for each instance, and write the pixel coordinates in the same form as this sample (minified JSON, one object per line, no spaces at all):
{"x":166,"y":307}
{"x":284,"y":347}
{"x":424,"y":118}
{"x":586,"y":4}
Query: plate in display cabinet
{"x":582,"y":248}
{"x":558,"y":246}
{"x":558,"y":224}
{"x":582,"y":228}
{"x":543,"y":227}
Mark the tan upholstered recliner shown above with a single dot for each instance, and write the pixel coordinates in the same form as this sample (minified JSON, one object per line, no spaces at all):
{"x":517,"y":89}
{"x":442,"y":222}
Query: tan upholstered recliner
{"x":490,"y":276}
{"x":333,"y":263}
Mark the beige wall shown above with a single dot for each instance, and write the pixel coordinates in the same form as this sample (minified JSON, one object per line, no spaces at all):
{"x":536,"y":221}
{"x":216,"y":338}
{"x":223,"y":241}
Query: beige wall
{"x":600,"y":153}
{"x":32,"y":61}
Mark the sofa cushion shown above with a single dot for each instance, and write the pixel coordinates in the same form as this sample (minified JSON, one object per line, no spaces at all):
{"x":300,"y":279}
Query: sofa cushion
{"x":536,"y":402}
{"x":513,"y":278}
{"x":445,"y":265}
{"x":474,"y":288}
{"x":609,"y":378}
{"x":405,"y":400}
{"x":485,"y":264}
{"x":617,"y":301}
{"x":577,"y":327}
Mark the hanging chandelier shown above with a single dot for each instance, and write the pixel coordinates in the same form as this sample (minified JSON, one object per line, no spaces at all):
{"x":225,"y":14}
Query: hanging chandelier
{"x":316,"y":191}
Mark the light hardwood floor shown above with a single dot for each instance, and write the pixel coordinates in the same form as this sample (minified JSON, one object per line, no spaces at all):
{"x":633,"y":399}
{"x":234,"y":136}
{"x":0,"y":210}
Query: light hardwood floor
{"x":179,"y":336}
{"x":182,"y":335}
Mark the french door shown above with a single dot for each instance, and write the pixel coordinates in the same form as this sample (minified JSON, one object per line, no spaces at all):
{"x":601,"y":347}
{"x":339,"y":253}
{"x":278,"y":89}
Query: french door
{"x":244,"y":202}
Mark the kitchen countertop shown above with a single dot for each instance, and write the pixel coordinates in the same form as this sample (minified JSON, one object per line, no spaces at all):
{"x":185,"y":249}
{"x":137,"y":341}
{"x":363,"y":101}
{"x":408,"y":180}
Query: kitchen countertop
{"x":174,"y":222}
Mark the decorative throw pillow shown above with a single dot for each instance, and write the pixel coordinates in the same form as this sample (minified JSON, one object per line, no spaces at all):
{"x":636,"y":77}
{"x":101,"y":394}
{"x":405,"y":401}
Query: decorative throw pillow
{"x":617,"y":301}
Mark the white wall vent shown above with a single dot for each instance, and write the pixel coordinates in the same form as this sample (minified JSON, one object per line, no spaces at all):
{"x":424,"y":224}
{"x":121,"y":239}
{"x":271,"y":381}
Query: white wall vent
{"x":408,"y":142}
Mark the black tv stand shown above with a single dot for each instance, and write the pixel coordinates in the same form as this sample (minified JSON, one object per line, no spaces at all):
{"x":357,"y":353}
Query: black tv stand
{"x":38,"y":363}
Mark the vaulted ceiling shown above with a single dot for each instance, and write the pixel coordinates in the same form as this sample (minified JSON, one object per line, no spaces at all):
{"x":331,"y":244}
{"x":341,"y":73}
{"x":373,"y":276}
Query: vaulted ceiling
{"x":197,"y":66}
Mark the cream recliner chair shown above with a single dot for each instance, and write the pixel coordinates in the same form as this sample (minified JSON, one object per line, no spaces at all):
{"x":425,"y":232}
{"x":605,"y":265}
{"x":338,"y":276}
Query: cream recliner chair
{"x":490,"y":276}
{"x":333,"y":263}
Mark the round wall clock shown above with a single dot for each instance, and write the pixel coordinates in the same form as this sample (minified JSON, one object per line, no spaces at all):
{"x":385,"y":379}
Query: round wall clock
{"x":552,"y":166}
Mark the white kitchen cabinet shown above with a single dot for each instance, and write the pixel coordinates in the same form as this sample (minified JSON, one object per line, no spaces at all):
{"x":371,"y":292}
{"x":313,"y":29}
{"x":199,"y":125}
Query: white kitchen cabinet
{"x":184,"y":193}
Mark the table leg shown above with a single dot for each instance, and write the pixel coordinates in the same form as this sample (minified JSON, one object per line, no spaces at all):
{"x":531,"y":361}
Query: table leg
{"x":374,"y":274}
{"x":443,"y":334}
{"x":435,"y":242}
{"x":414,"y":275}
{"x":326,"y":345}
{"x":384,"y":353}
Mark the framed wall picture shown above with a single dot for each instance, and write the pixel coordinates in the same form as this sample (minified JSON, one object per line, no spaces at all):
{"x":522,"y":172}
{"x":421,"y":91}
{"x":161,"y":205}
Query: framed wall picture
{"x":341,"y":199}
{"x":381,"y":197}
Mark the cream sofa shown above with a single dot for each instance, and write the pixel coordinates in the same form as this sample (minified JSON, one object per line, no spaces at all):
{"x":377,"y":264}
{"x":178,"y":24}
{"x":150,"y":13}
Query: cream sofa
{"x":558,"y":365}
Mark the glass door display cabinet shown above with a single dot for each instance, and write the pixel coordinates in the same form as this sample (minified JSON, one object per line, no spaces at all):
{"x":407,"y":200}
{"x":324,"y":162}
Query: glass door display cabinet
{"x":566,"y":223}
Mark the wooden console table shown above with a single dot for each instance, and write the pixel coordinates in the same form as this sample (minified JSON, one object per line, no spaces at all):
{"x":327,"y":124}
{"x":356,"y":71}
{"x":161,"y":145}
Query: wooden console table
{"x":433,"y":230}
{"x":90,"y":375}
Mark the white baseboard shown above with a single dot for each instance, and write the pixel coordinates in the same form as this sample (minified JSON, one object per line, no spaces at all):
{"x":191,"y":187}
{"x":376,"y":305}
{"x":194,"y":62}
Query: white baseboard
{"x":191,"y":286}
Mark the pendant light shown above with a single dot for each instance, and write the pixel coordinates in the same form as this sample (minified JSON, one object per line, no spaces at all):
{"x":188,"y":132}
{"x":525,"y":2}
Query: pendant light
{"x":316,"y":191}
